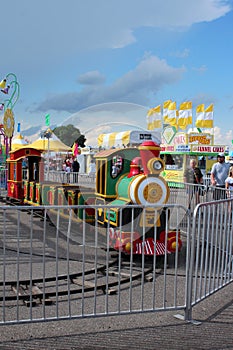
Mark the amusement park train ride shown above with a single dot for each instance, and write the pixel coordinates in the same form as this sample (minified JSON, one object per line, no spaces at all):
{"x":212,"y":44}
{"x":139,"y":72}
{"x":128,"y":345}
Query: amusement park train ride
{"x":125,"y":178}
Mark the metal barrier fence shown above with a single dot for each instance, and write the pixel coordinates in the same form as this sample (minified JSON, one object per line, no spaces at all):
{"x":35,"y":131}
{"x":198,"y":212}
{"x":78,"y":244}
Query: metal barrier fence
{"x":55,"y":266}
{"x":72,"y":177}
{"x":78,"y":178}
{"x":211,"y":254}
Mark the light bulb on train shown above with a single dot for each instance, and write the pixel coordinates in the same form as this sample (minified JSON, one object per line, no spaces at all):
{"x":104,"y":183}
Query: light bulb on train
{"x":157,"y":165}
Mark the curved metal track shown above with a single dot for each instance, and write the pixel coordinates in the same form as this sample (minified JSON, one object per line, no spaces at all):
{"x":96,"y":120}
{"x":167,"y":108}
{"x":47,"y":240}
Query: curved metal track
{"x":103,"y":277}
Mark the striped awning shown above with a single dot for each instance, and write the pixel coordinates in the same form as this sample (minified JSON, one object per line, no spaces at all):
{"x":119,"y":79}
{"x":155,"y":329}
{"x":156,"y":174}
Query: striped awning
{"x":124,"y":138}
{"x":114,"y":139}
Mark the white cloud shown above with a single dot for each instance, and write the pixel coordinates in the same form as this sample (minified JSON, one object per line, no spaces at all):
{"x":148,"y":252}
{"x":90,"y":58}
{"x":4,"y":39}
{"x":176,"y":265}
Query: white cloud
{"x":181,"y":54}
{"x":202,"y":69}
{"x":108,"y":117}
{"x":221,"y":139}
{"x":38,"y":32}
{"x":148,"y":77}
{"x":91,"y":78}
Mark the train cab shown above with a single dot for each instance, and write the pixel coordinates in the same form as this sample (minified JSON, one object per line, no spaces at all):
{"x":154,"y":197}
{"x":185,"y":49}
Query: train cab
{"x":25,"y":167}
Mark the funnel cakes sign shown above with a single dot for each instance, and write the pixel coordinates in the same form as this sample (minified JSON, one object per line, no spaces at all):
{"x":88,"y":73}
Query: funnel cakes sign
{"x":207,"y":149}
{"x":200,"y":139}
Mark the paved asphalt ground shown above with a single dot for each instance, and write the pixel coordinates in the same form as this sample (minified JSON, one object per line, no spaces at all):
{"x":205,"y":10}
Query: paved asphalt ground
{"x":138,"y":331}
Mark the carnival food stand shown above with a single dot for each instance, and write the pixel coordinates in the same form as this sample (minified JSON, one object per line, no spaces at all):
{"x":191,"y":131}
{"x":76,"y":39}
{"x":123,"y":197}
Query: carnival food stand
{"x":178,"y":148}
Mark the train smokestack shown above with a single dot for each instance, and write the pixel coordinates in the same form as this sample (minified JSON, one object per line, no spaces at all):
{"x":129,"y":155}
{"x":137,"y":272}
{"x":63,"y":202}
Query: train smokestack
{"x":148,"y":150}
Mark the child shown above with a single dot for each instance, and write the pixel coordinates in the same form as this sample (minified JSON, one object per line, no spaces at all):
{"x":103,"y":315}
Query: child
{"x":229,"y":183}
{"x":229,"y":187}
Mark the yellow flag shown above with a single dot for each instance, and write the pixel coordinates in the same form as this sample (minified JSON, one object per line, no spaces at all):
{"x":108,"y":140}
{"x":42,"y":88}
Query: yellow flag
{"x":209,"y":116}
{"x":154,"y":118}
{"x":200,"y":115}
{"x":185,"y":115}
{"x":171,"y":114}
{"x":165,"y":109}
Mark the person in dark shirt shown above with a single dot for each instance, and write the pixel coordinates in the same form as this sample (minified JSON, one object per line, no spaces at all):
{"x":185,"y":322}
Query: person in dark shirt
{"x":193,"y":176}
{"x":75,"y":168}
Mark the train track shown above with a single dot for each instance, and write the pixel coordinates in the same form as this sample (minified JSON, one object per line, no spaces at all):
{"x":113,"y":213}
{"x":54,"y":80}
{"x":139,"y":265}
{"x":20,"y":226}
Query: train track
{"x":104,"y":278}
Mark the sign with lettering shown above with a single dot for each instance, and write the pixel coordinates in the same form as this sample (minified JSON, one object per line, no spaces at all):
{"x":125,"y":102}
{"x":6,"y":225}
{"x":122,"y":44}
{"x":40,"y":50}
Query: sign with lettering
{"x":167,"y":148}
{"x":145,"y":136}
{"x":179,"y":139}
{"x":200,"y":139}
{"x":183,"y":148}
{"x":207,"y":149}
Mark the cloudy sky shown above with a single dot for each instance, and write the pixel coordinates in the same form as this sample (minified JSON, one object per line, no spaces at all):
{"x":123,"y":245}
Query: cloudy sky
{"x":102,"y":64}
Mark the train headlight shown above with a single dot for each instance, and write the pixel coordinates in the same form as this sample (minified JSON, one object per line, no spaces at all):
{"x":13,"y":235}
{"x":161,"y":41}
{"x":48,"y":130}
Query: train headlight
{"x":155,"y":165}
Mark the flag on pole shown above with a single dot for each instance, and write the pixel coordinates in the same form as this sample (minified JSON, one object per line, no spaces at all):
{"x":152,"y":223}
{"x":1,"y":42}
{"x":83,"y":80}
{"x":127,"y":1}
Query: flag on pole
{"x":209,"y":116}
{"x":18,"y":127}
{"x":185,"y":115}
{"x":200,"y":115}
{"x":165,"y":110}
{"x":47,"y":120}
{"x":154,"y":118}
{"x":75,"y":149}
{"x":171,"y":114}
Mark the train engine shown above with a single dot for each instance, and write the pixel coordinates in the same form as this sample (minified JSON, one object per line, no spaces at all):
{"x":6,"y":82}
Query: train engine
{"x":133,"y":193}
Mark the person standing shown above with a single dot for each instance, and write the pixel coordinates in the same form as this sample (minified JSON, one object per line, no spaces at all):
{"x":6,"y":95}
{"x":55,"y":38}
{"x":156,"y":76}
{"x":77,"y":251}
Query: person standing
{"x":68,"y":169}
{"x":219,"y":173}
{"x":229,"y":183}
{"x":92,"y":169}
{"x":75,"y":168}
{"x":229,"y":187}
{"x":193,"y":175}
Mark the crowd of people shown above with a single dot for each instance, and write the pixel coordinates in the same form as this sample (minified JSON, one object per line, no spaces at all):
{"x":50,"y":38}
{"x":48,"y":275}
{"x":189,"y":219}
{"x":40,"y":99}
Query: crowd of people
{"x":221,"y":179}
{"x":71,"y":165}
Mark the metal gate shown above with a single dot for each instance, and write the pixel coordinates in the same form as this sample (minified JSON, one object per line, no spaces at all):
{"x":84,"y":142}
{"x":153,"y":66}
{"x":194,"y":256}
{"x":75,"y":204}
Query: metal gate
{"x":55,"y":266}
{"x":211,"y":251}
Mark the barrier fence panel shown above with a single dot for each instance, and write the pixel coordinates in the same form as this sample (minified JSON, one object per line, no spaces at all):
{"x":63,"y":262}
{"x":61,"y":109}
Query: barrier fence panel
{"x":72,"y":177}
{"x":55,"y":266}
{"x":211,"y":261}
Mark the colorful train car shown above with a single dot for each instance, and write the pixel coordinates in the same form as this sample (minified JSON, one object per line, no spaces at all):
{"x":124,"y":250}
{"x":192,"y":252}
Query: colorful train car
{"x":128,"y":186}
{"x":132,"y":176}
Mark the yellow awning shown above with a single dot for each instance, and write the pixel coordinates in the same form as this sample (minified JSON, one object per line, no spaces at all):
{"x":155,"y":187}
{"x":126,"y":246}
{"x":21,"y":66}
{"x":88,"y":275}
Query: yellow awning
{"x":130,"y":137}
{"x":114,"y":139}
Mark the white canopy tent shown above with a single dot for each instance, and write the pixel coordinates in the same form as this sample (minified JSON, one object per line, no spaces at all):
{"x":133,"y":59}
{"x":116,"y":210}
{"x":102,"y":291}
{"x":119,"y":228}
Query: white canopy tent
{"x":127,"y":138}
{"x":18,"y":141}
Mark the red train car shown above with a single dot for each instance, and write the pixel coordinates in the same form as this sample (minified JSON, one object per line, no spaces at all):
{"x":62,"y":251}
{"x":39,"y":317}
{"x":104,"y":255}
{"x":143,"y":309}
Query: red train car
{"x":20,"y":179}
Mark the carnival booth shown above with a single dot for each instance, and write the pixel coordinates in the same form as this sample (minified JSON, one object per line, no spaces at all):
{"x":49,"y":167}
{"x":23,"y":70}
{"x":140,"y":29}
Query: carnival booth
{"x":178,"y":148}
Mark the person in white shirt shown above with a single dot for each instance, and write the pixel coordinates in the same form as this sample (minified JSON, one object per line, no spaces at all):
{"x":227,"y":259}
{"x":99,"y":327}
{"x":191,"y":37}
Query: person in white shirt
{"x":229,"y":187}
{"x":219,"y":173}
{"x":92,"y":168}
{"x":68,"y":170}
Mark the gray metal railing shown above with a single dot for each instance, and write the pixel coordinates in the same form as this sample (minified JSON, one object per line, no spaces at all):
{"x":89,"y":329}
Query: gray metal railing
{"x":62,"y":264}
{"x":72,"y":177}
{"x":66,"y":268}
{"x":211,"y":259}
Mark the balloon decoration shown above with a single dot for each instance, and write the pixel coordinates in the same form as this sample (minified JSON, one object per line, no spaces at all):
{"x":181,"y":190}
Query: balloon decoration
{"x":9,"y":95}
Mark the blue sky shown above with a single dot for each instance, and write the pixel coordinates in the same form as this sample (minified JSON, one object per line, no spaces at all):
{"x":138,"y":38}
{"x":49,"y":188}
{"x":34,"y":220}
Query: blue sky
{"x":102,"y":64}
